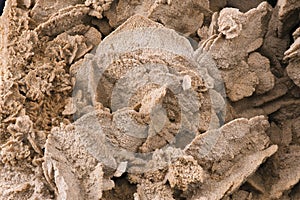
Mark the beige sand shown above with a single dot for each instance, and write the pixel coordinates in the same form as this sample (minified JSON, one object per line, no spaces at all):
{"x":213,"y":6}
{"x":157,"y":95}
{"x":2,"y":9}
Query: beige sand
{"x":153,"y":99}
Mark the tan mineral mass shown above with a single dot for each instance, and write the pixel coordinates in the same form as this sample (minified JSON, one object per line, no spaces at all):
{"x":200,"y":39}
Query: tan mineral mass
{"x":150,"y":100}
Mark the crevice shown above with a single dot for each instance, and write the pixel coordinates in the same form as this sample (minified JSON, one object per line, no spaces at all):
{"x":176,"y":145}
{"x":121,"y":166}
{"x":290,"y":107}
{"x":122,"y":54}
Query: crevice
{"x":2,"y":3}
{"x":123,"y":189}
{"x":272,"y":2}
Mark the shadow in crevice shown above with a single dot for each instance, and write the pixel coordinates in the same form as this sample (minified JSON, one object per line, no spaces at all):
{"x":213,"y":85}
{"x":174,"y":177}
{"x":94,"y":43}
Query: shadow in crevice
{"x":272,"y":2}
{"x":2,"y":2}
{"x":123,"y":189}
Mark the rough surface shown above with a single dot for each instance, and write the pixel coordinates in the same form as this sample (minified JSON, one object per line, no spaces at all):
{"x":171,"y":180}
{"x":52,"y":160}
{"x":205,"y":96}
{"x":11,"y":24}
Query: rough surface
{"x":292,"y":55}
{"x":154,"y":99}
{"x":230,"y":156}
{"x":240,"y":34}
{"x":167,"y":12}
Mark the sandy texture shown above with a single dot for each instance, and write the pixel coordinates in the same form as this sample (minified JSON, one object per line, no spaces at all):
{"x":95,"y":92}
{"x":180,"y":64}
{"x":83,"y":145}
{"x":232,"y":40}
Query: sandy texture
{"x":154,"y":99}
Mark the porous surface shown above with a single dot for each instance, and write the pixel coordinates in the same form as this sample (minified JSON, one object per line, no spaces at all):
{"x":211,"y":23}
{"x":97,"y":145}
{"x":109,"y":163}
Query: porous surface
{"x":154,"y":99}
